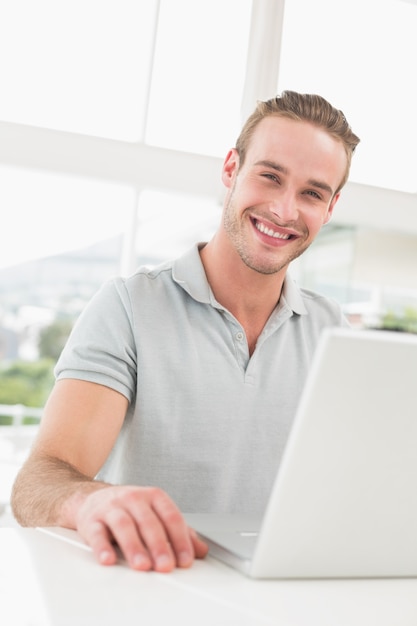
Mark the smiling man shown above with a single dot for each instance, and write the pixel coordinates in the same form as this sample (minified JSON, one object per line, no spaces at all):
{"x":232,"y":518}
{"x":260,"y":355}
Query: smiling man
{"x":178,"y":386}
{"x":288,"y":181}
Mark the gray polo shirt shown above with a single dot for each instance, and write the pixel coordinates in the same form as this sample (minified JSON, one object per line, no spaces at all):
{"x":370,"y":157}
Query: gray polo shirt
{"x":206,"y":422}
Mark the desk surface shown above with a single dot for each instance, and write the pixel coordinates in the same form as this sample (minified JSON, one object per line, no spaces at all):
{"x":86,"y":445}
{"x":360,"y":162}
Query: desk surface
{"x":47,"y":582}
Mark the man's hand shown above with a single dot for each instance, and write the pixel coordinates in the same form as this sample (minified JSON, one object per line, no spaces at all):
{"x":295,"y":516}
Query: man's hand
{"x":56,"y":486}
{"x":145,"y":524}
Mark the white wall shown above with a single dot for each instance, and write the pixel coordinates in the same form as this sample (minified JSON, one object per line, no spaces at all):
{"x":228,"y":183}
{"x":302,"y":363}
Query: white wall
{"x":385,"y":259}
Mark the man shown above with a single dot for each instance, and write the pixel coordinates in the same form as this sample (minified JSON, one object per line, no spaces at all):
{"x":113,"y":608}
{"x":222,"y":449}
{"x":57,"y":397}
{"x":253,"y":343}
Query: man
{"x":178,"y":386}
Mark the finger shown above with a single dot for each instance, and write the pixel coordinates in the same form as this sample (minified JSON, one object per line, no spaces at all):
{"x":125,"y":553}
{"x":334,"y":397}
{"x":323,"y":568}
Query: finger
{"x":98,"y":538}
{"x":128,"y":538}
{"x":200,"y":547}
{"x":175,"y":527}
{"x":155,"y":536}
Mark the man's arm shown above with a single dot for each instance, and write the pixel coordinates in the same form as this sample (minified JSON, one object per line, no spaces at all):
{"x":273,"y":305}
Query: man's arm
{"x":56,"y":485}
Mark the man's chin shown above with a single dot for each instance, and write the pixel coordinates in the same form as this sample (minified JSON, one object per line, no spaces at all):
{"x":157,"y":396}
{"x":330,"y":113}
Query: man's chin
{"x":260,"y":266}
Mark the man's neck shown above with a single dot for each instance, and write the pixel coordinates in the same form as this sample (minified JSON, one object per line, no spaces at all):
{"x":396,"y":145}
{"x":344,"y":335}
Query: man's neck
{"x":249,"y":295}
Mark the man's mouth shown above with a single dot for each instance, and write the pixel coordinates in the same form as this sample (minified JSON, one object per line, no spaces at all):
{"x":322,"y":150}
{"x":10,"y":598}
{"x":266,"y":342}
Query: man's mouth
{"x":270,"y":232}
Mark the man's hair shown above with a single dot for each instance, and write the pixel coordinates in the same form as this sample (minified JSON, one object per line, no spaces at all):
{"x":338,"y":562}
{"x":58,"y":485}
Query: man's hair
{"x":301,"y":107}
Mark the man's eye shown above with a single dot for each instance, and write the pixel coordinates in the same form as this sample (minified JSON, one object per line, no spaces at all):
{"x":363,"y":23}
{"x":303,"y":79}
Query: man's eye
{"x":272,"y":177}
{"x":313,"y":194}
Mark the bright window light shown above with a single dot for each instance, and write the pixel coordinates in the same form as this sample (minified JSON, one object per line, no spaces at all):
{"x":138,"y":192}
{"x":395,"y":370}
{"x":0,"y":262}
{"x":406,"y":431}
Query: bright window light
{"x":81,"y":66}
{"x":49,"y":214}
{"x":171,"y":223}
{"x":361,"y":58}
{"x":86,"y":67}
{"x":198,"y":76}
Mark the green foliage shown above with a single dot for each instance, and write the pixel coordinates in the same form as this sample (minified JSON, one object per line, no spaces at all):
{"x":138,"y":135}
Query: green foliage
{"x":53,"y":338}
{"x":26,"y":383}
{"x":407,"y":322}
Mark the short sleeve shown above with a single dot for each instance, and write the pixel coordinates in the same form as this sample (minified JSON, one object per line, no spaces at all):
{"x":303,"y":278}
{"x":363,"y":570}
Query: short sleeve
{"x":101,"y":347}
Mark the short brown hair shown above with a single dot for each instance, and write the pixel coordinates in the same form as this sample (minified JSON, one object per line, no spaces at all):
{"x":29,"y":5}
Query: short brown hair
{"x":302,"y":107}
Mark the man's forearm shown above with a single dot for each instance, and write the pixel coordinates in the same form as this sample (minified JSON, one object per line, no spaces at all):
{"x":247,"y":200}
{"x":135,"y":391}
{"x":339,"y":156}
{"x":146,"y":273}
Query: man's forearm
{"x":48,"y":492}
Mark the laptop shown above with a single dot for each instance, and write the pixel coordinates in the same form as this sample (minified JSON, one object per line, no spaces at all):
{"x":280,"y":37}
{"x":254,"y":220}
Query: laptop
{"x":344,"y":503}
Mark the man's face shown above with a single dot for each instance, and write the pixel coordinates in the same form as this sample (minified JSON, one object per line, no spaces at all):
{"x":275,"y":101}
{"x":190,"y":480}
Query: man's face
{"x":283,"y":193}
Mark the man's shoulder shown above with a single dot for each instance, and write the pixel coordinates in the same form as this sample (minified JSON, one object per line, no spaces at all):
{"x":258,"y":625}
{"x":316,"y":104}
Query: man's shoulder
{"x":321,"y":306}
{"x":150,"y":272}
{"x":186,"y":263}
{"x":310,"y":295}
{"x":305,"y":301}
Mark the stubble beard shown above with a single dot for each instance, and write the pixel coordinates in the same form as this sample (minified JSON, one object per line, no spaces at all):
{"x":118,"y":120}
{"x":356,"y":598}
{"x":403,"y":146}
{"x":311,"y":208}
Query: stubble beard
{"x":233,"y":225}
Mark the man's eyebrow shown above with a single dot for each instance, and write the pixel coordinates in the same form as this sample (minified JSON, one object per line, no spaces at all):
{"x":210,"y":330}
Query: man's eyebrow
{"x":274,"y":166}
{"x":280,"y":168}
{"x":320,"y":185}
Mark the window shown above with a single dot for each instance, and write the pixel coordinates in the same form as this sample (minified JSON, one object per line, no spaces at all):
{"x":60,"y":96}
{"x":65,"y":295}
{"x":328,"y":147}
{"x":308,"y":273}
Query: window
{"x":81,"y":66}
{"x":361,"y":58}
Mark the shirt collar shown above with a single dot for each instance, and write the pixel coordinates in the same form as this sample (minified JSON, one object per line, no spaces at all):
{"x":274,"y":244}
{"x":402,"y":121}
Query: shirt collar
{"x":188,"y":272}
{"x":291,"y":294}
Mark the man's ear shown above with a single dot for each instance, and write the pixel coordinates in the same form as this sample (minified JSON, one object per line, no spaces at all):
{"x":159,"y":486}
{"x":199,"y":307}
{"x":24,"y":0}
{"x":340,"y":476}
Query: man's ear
{"x":331,"y":207}
{"x":230,"y":167}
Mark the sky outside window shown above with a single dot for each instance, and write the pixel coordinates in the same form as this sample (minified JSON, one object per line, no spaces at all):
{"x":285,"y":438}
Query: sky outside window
{"x":48,"y":214}
{"x":80,"y":66}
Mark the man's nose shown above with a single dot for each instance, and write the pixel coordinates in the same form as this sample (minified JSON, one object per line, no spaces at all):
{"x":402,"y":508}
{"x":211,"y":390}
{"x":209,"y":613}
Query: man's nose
{"x":285,"y":207}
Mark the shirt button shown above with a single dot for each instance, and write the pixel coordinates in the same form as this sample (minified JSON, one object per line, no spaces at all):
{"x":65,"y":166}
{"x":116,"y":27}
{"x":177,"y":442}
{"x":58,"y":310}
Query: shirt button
{"x":239,"y":336}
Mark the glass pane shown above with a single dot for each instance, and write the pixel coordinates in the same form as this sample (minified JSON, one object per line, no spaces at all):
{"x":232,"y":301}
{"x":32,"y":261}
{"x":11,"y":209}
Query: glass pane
{"x":352,"y":265}
{"x":50,"y":214}
{"x":362,"y":58}
{"x":79,"y":66}
{"x":198,"y":76}
{"x":61,"y":241}
{"x":326,"y":267}
{"x":169,"y":224}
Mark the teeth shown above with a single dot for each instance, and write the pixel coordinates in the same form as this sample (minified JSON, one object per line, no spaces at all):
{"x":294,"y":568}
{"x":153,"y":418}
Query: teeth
{"x":268,"y":231}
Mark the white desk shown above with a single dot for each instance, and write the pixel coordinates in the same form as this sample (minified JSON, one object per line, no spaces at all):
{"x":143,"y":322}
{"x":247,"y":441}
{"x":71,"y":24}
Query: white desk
{"x":48,"y":582}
